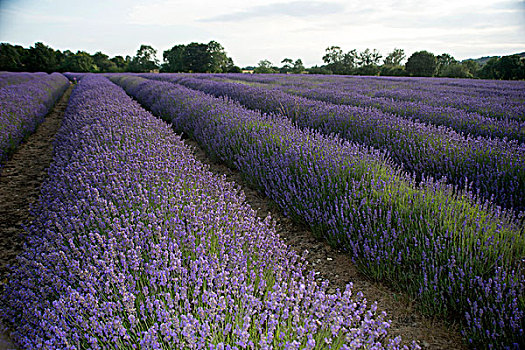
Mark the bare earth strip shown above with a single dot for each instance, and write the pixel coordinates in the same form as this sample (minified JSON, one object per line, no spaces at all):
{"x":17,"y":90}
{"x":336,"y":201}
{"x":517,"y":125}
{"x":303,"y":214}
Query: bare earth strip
{"x":20,"y":183}
{"x":337,"y":267}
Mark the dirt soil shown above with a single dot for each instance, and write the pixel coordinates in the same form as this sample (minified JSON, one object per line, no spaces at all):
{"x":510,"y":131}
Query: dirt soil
{"x":337,"y":267}
{"x":20,"y":182}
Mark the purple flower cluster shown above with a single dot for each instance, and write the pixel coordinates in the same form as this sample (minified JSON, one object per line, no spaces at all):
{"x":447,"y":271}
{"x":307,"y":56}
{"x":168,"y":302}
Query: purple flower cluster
{"x":24,"y":103}
{"x":136,"y":245}
{"x":459,"y":257}
{"x":495,"y":103}
{"x":493,"y":168}
{"x":457,"y":110}
{"x":13,"y":78}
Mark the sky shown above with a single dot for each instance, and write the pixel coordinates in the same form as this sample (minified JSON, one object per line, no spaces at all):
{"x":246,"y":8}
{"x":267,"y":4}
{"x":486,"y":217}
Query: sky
{"x":251,"y":31}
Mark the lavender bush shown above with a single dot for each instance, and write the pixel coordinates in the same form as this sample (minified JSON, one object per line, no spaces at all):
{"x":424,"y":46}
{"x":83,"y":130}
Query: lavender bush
{"x":24,"y":105}
{"x":13,"y":78}
{"x":474,"y":99}
{"x":136,"y":245}
{"x":459,"y":257}
{"x":493,"y":168}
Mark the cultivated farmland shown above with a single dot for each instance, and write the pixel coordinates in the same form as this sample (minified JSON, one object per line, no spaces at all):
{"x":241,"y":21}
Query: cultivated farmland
{"x":134,"y":243}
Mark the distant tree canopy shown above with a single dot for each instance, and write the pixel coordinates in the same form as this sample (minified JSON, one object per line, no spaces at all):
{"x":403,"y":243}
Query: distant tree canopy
{"x":194,"y":57}
{"x":212,"y":58}
{"x":103,"y":63}
{"x":422,"y":64}
{"x":42,"y":58}
{"x":10,"y":58}
{"x":394,"y":58}
{"x":78,"y":62}
{"x":265,"y":67}
{"x":290,"y":66}
{"x":507,"y":67}
{"x":198,"y":58}
{"x":352,"y":62}
{"x":144,"y":61}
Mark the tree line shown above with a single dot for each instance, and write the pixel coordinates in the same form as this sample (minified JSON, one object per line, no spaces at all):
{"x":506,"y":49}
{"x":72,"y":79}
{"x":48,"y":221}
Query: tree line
{"x":420,"y":63}
{"x":212,"y":58}
{"x":194,"y":57}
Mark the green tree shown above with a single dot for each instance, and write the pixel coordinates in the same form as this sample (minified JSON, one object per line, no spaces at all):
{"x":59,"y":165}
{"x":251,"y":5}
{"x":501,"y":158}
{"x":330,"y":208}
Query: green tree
{"x":145,"y":60}
{"x":455,"y":70}
{"x":60,"y":57}
{"x":395,"y":57}
{"x":173,"y":59}
{"x":443,"y":62}
{"x":10,"y":59}
{"x":232,"y":68}
{"x":472,"y":67}
{"x":333,"y":58}
{"x":368,"y":62}
{"x":291,"y":66}
{"x":103,"y":63}
{"x":41,"y":58}
{"x":120,"y":63}
{"x":298,"y":66}
{"x":333,"y":55}
{"x":339,"y":62}
{"x":219,"y":61}
{"x":265,"y":67}
{"x":287,"y":66}
{"x":197,"y":58}
{"x":368,"y":58}
{"x":370,"y":69}
{"x":63,"y":59}
{"x":392,"y":71}
{"x":510,"y":68}
{"x":422,"y":64}
{"x":350,"y":61}
{"x":23,"y":53}
{"x":79,"y":62}
{"x":392,"y":64}
{"x":488,"y":70}
{"x":319,"y":70}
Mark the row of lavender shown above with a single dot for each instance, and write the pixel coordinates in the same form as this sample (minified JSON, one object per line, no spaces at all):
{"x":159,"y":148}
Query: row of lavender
{"x":456,"y":256}
{"x":13,"y":78}
{"x":135,"y":244}
{"x":493,"y":168}
{"x":495,"y":100}
{"x":23,"y":105}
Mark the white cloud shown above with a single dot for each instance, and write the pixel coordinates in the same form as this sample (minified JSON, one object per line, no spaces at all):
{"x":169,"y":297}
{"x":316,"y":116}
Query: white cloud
{"x":275,"y":29}
{"x":298,"y":9}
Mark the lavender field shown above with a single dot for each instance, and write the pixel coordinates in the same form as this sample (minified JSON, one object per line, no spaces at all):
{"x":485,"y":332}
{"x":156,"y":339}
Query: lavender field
{"x":137,"y":245}
{"x":25,"y":99}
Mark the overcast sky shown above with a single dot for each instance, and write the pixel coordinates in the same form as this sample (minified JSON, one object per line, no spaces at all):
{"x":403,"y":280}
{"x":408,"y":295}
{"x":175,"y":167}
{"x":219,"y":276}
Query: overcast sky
{"x":254,"y":30}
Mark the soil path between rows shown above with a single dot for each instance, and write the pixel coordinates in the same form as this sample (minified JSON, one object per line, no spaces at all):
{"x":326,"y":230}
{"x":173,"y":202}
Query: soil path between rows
{"x":20,"y":182}
{"x":336,"y":266}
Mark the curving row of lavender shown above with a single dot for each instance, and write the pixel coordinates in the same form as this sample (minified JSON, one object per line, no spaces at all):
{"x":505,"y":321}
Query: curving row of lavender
{"x":13,"y":78}
{"x":493,"y":168}
{"x":456,"y":256}
{"x":495,"y":100}
{"x":24,"y":105}
{"x":136,"y":245}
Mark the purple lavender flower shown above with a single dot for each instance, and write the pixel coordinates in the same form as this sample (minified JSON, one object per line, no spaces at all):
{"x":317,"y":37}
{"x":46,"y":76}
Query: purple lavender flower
{"x":25,"y":99}
{"x":135,"y":244}
{"x":438,"y":243}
